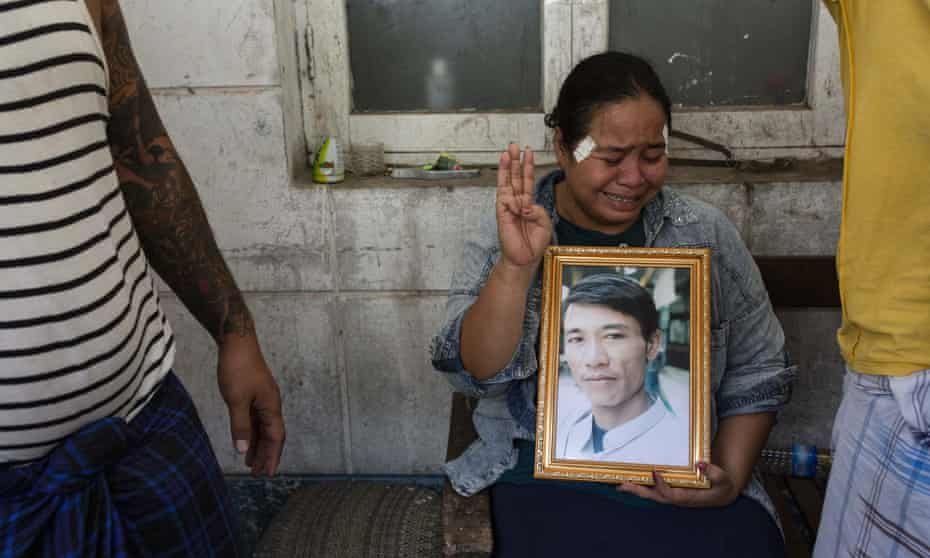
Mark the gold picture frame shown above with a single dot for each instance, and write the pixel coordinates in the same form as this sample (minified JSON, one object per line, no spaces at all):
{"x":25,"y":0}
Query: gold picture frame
{"x":612,"y":400}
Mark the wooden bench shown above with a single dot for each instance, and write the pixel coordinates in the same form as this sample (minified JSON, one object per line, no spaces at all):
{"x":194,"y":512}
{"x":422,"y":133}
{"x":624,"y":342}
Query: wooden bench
{"x":792,"y":282}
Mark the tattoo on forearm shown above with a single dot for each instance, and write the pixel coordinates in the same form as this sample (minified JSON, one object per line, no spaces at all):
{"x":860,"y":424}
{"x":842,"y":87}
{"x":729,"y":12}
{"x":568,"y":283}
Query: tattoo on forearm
{"x":165,"y":208}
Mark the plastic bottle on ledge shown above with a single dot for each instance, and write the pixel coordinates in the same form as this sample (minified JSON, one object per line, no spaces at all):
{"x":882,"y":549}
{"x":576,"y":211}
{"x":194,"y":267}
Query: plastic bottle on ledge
{"x":803,"y":460}
{"x":329,"y":167}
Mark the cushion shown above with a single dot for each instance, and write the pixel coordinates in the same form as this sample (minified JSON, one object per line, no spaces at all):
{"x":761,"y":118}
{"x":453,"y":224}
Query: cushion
{"x":355,"y":519}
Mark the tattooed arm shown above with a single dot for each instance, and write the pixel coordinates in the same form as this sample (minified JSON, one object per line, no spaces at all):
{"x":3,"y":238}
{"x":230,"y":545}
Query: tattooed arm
{"x":178,"y":242}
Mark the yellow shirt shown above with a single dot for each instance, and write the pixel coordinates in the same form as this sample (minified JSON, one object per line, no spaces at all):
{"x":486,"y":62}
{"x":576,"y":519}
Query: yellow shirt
{"x":883,"y":258}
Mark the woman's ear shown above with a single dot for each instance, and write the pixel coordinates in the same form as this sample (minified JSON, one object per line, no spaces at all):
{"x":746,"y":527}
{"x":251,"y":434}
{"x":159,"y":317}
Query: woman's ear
{"x":653,"y":345}
{"x":561,"y":154}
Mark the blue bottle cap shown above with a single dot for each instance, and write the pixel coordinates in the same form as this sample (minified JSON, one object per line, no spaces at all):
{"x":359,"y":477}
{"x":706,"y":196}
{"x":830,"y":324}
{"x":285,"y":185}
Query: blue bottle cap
{"x":804,"y":460}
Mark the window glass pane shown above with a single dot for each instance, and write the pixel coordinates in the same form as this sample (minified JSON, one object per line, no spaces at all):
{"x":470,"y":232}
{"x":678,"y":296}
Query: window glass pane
{"x":720,"y":52}
{"x":445,"y":55}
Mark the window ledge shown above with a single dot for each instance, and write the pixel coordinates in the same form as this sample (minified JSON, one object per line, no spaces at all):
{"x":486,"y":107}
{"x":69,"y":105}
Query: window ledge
{"x":784,"y":170}
{"x":760,"y":172}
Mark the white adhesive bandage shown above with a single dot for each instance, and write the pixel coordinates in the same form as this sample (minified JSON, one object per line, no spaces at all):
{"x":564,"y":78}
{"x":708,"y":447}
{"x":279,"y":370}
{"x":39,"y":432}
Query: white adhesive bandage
{"x":583,"y":149}
{"x":665,"y":137}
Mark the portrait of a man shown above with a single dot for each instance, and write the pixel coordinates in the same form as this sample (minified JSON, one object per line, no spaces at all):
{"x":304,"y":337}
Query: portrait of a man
{"x":619,"y":399}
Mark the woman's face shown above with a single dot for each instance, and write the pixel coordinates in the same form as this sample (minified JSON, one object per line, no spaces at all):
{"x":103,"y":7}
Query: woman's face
{"x":606,"y":353}
{"x":607,"y":191}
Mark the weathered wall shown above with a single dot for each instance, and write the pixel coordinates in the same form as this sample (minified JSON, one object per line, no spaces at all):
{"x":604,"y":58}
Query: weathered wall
{"x":347,"y":283}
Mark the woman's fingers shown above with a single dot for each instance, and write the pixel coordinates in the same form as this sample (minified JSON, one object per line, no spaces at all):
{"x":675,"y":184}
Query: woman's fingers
{"x":522,"y":223}
{"x":663,"y":489}
{"x":534,"y":213}
{"x":526,"y":212}
{"x":503,"y":174}
{"x":512,"y":206}
{"x":516,"y":171}
{"x":529,"y":183}
{"x":505,"y":193}
{"x":515,"y":178}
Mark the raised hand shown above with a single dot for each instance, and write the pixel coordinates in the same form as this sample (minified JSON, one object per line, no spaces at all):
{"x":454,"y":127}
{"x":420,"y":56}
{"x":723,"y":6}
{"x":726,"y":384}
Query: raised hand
{"x":523,"y":226}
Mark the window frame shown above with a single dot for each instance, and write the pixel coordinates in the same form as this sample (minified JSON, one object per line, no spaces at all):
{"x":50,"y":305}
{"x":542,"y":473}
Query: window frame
{"x":571,"y":30}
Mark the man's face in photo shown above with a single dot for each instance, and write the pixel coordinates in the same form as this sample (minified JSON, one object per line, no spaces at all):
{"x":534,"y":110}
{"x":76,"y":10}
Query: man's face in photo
{"x":606,"y":354}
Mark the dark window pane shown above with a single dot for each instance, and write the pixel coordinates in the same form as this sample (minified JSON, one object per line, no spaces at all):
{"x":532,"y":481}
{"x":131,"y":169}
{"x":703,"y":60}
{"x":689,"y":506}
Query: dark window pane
{"x":445,"y":55}
{"x":720,"y":52}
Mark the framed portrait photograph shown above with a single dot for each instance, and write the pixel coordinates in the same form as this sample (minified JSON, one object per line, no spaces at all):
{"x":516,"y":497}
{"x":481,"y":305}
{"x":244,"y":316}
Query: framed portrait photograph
{"x":624,"y":365}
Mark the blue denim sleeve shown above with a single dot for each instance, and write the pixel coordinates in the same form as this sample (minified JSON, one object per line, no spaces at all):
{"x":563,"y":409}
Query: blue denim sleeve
{"x":445,"y":349}
{"x":758,"y":376}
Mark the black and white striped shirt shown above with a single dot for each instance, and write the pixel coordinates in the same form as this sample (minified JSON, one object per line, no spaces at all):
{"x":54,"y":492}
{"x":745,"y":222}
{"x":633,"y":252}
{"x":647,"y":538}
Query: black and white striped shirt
{"x":82,"y":334}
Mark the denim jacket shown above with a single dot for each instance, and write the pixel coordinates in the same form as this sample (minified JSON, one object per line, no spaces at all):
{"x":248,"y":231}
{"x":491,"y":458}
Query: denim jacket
{"x":750,"y":369}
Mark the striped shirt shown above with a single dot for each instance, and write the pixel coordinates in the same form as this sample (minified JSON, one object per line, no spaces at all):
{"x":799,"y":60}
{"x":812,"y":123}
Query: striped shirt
{"x":82,"y":334}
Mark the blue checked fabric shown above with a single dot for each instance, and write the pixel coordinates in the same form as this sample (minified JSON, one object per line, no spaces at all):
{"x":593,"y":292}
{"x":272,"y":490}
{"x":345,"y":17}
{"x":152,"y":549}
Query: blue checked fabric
{"x":151,"y":487}
{"x":878,"y":495}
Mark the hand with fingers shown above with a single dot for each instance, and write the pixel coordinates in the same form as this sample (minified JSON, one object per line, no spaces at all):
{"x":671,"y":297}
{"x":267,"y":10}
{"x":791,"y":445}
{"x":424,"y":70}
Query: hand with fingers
{"x":722,"y":492}
{"x":254,"y":403}
{"x":523,"y":226}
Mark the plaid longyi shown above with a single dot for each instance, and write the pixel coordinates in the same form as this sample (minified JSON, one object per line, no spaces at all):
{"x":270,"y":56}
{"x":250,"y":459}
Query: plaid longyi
{"x":148,"y":488}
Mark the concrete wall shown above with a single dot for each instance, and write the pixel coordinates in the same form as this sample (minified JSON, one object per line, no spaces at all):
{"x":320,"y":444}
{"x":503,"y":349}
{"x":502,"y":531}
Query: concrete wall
{"x":347,"y":283}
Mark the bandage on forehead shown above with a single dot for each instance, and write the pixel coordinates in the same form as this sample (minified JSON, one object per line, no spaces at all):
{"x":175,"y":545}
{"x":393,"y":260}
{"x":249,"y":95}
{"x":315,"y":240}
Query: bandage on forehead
{"x":587,"y":145}
{"x":583,"y":149}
